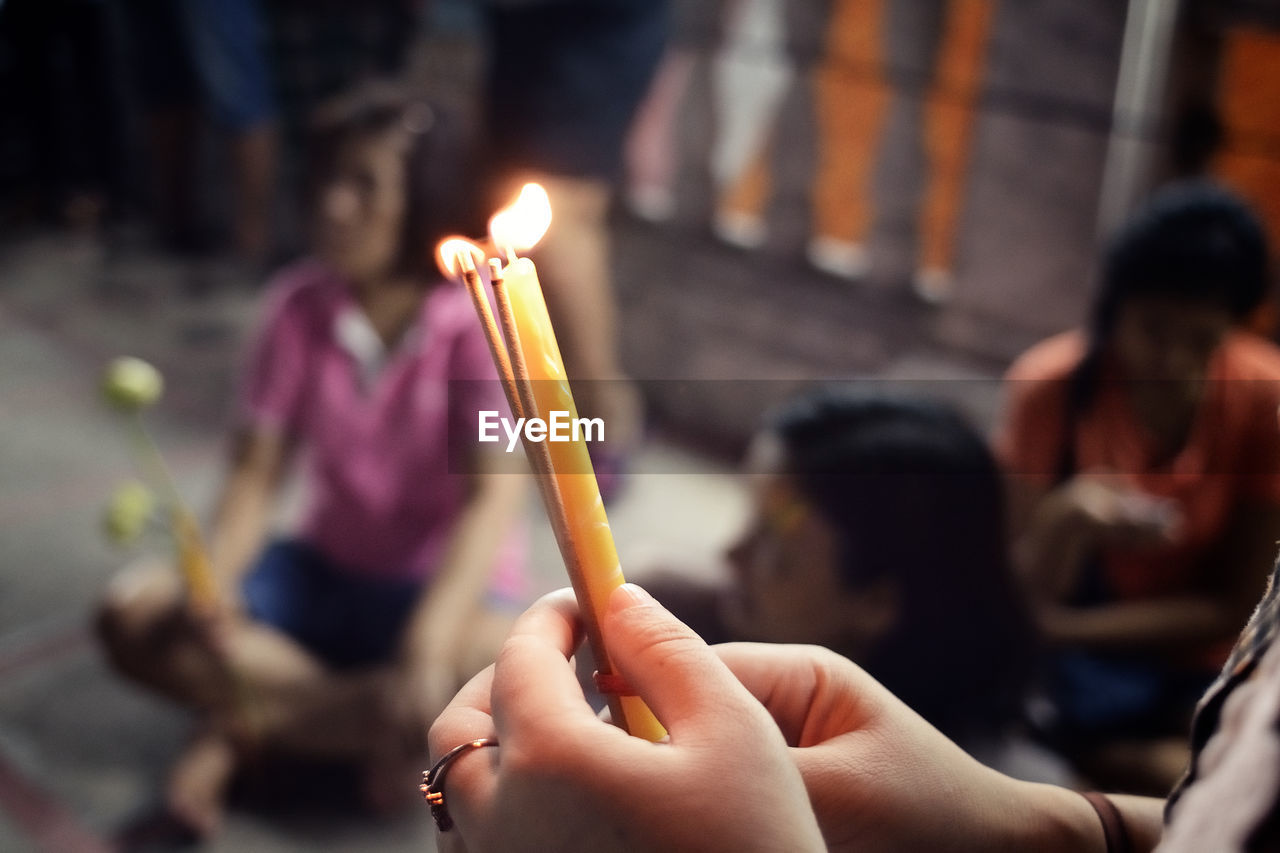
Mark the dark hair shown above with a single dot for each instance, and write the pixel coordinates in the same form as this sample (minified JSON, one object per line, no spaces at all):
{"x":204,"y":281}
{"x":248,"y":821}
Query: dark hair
{"x":433,"y":163}
{"x":914,"y":495}
{"x":1193,"y":242}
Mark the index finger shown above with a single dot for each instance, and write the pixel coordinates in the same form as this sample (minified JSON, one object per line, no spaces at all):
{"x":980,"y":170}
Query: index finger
{"x":811,"y":692}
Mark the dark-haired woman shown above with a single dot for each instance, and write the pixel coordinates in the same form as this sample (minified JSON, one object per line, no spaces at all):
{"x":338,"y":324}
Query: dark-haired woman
{"x":1146,"y":474}
{"x":878,"y":531}
{"x":346,"y":639}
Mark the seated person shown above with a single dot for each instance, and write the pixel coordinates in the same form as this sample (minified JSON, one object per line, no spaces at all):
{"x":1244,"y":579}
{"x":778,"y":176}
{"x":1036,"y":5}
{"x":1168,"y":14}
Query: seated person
{"x":878,"y":532}
{"x":1145,"y":476}
{"x":345,"y":640}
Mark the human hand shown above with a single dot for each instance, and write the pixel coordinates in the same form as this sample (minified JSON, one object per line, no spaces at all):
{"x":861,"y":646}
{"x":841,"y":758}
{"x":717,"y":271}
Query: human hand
{"x":562,"y":779}
{"x":1118,"y":514}
{"x":214,"y":622}
{"x":881,"y":778}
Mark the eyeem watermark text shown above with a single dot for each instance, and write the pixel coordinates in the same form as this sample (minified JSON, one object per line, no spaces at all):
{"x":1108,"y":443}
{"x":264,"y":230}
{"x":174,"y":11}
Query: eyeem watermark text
{"x":559,"y":427}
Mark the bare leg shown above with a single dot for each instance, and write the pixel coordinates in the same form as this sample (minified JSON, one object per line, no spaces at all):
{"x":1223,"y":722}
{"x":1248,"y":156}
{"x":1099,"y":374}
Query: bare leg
{"x":173,"y":137}
{"x":750,"y":76}
{"x":652,"y":151}
{"x":197,"y":786}
{"x":948,"y":128}
{"x":146,"y":635}
{"x":262,"y":688}
{"x":253,"y":156}
{"x":851,"y":102}
{"x":573,"y":261}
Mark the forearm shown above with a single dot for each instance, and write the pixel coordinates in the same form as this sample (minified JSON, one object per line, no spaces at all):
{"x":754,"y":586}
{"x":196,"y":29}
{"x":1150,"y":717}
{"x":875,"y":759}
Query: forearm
{"x":239,"y":525}
{"x":1162,"y":624}
{"x":243,"y":511}
{"x":1048,"y":818}
{"x":438,"y":624}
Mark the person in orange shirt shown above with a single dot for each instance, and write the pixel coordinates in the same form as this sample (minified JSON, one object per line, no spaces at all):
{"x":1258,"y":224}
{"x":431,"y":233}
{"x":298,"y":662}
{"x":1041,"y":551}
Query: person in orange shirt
{"x":842,"y":483}
{"x":1145,"y":473}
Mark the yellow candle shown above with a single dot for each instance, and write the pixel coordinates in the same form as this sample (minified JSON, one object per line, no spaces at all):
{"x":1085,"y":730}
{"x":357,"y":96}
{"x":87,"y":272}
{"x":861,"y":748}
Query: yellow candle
{"x":588,"y":526}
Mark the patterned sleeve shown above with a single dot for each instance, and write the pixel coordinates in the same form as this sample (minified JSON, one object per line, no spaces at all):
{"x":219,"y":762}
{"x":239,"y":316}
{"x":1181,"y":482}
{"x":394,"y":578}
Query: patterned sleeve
{"x":1233,"y":801}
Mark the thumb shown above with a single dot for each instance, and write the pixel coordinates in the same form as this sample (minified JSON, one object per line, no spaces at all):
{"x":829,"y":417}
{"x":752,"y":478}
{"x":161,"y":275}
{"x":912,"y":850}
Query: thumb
{"x":673,"y":669}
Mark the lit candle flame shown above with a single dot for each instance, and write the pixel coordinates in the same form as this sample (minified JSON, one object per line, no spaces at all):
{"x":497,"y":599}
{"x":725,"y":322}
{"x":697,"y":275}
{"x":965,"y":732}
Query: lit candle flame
{"x":522,"y":225}
{"x":449,"y":250}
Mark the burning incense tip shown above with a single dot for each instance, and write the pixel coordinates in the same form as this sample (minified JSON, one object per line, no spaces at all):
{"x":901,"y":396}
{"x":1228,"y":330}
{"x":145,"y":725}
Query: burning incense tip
{"x":450,"y":254}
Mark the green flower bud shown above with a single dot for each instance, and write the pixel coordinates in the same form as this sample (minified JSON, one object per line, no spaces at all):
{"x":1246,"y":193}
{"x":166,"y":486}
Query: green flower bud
{"x":130,"y":508}
{"x":131,"y":384}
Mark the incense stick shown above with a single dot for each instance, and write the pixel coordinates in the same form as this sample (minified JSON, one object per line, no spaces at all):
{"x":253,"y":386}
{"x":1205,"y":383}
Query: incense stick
{"x":520,"y":399}
{"x":471,"y":278}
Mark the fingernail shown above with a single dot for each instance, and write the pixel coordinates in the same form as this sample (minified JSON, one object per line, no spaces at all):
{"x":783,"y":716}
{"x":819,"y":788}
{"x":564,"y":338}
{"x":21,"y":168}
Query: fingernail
{"x":629,"y":595}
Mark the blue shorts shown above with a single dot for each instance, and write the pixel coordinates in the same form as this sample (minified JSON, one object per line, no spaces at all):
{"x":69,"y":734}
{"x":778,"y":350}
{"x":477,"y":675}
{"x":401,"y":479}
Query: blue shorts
{"x":340,"y":617}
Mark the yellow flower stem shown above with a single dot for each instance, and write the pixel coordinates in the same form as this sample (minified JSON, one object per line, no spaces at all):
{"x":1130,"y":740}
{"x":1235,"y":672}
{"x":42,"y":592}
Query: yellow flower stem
{"x":193,"y":558}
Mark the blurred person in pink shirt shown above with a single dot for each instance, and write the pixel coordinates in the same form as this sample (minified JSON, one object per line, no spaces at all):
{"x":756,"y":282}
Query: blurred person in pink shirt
{"x":345,"y":640}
